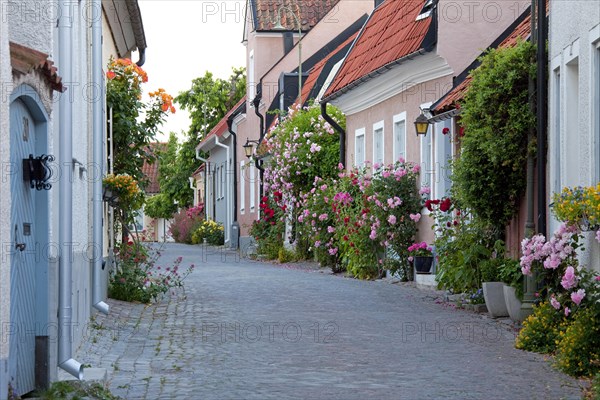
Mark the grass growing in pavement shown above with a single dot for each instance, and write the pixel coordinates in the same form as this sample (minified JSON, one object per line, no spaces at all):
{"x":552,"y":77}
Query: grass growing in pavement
{"x":76,"y":390}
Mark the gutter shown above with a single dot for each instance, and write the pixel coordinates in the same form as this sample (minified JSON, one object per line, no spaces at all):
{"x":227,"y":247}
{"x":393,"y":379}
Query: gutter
{"x":338,"y":128}
{"x":371,"y":75}
{"x":65,"y":203}
{"x":98,"y":159}
{"x":135,"y":19}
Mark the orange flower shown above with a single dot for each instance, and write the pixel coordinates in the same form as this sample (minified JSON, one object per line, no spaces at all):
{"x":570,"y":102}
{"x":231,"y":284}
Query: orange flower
{"x":172,"y":110}
{"x":111,"y":75}
{"x":165,"y":107}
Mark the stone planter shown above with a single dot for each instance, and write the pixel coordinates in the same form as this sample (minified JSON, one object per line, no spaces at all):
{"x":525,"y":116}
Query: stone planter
{"x":513,"y":304}
{"x":423,"y":264}
{"x":493,"y":293}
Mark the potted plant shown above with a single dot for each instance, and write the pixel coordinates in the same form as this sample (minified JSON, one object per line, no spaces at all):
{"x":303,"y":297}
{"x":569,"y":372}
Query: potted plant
{"x":493,"y":286}
{"x":510,"y":274}
{"x":422,"y":257}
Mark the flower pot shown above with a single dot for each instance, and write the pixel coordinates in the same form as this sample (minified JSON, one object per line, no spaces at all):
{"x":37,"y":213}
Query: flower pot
{"x":513,"y":304}
{"x":423,"y":264}
{"x":493,"y":293}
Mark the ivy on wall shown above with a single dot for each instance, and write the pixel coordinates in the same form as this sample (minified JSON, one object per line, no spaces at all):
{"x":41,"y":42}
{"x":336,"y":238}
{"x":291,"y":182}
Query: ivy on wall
{"x":490,"y":174}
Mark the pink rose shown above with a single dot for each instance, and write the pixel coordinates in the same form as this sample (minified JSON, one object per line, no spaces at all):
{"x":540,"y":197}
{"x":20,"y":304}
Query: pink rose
{"x":569,"y":279}
{"x":578,"y":296}
{"x":554,"y":303}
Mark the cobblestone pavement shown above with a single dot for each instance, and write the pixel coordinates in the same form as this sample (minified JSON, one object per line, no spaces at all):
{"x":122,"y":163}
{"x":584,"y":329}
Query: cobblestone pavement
{"x":251,"y":330}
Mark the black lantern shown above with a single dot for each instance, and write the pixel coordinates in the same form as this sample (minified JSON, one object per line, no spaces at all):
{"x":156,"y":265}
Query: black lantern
{"x":37,"y":172}
{"x":421,"y":125}
{"x":249,"y":148}
{"x":109,"y":197}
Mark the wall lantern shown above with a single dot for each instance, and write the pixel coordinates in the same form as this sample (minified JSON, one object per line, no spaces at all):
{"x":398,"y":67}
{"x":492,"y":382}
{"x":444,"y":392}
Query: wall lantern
{"x":422,"y":125}
{"x":249,"y":147}
{"x":109,"y":197}
{"x":37,"y":172}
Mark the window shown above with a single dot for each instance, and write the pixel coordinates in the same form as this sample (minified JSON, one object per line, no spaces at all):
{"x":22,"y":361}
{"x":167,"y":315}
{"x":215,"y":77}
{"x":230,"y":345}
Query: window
{"x":443,"y":155}
{"x":595,"y":106}
{"x":400,"y":136}
{"x":426,"y":167}
{"x":556,"y":110}
{"x":359,"y":147}
{"x":572,"y":100}
{"x":242,"y":187}
{"x":252,"y":183}
{"x":378,"y":143}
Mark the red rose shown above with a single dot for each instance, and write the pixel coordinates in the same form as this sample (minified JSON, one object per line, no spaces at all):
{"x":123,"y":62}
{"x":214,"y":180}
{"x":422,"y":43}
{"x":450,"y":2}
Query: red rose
{"x":428,"y":205}
{"x":445,"y":205}
{"x":446,"y":131}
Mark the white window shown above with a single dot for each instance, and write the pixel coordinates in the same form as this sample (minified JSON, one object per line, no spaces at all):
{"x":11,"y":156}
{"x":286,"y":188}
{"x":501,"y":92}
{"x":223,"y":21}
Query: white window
{"x":252,"y":183}
{"x":426,"y":164}
{"x":400,"y":136}
{"x":442,"y":158}
{"x":378,"y":143}
{"x":595,"y":106}
{"x":243,"y":176}
{"x":555,"y":127}
{"x":359,"y":147}
{"x":572,"y":122}
{"x":222,"y":178}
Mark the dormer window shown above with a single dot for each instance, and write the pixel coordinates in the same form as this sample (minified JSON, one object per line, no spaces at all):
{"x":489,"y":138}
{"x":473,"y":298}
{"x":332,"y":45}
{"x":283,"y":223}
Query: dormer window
{"x":427,"y":9}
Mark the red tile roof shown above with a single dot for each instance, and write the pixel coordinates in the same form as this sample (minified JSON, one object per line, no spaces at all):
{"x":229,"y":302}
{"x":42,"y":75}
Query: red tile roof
{"x":221,"y":127}
{"x":150,"y":171}
{"x":310,"y":11}
{"x":451,"y":99}
{"x":316,"y":71}
{"x":313,"y":75}
{"x":390,"y":34}
{"x":24,"y":59}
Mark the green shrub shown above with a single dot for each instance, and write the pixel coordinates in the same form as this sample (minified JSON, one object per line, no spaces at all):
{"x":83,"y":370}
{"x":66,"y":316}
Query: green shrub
{"x":578,"y":352}
{"x":136,"y":277}
{"x":285,"y":256}
{"x":542,"y":330}
{"x":212,"y":231}
{"x":489,"y":176}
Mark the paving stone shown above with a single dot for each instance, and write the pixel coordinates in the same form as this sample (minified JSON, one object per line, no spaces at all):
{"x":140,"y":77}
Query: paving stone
{"x":245,"y":329}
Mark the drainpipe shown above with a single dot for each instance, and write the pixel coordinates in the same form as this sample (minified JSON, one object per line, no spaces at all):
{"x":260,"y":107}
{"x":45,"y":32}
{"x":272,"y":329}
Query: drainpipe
{"x":228,"y":214}
{"x":257,"y":162}
{"x":529,"y":284}
{"x":338,"y":128}
{"x":65,"y":203}
{"x":98,"y":159}
{"x":235,"y":179}
{"x":542,"y":110}
{"x":142,"y":55}
{"x":235,"y":226}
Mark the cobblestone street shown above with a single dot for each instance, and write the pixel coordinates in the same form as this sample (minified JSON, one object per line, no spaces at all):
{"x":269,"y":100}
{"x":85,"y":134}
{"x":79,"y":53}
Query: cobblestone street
{"x":252,"y":330}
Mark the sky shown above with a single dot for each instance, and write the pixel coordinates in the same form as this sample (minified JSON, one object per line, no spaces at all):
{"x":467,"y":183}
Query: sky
{"x":185,"y":39}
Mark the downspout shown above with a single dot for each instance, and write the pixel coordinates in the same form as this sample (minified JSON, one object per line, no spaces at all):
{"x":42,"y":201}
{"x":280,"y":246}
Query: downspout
{"x":529,"y":284}
{"x":235,"y":176}
{"x":542,"y":110}
{"x":65,"y":206}
{"x":98,"y":159}
{"x":235,"y":241}
{"x":142,"y":55}
{"x":257,"y":162}
{"x":338,"y":128}
{"x":228,"y":213}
